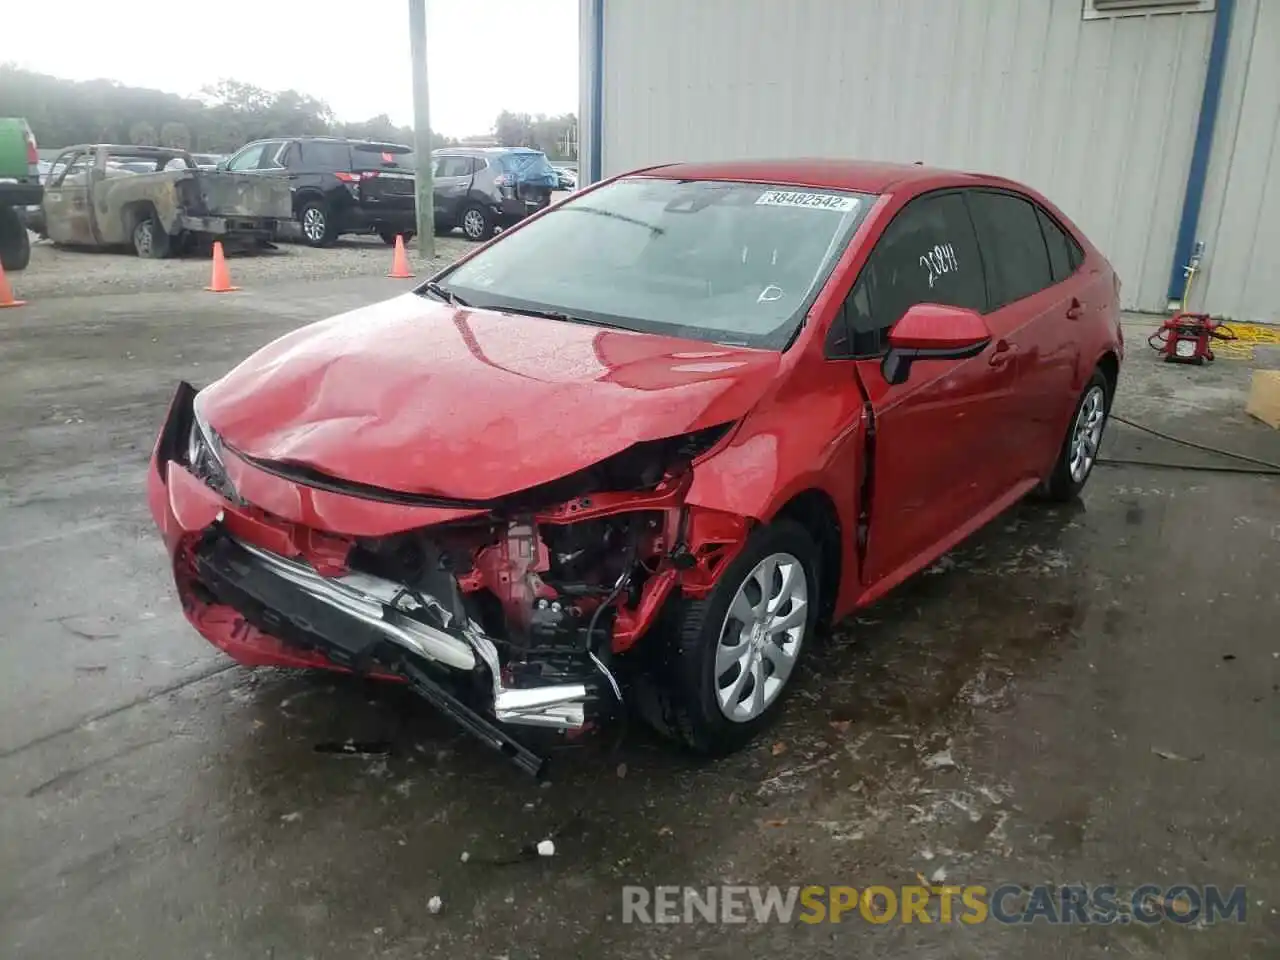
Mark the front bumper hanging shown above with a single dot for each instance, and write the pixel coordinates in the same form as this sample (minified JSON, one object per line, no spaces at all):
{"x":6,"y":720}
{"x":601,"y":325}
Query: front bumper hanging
{"x":358,"y":620}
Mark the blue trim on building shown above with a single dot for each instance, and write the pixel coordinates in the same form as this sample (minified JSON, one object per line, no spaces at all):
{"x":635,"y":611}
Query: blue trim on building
{"x":1202,"y":150}
{"x":596,"y":132}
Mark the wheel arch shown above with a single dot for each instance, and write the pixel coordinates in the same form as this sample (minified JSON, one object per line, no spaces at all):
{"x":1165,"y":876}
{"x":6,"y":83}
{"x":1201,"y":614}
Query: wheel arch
{"x":1109,"y":364}
{"x":815,"y":510}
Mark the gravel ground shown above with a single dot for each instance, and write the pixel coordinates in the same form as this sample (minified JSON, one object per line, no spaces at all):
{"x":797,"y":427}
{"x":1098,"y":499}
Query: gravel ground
{"x":63,"y":272}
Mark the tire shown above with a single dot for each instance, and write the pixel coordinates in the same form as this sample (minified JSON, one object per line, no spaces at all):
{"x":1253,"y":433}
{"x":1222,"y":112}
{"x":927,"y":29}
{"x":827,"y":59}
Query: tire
{"x":150,"y":240}
{"x":389,"y":236}
{"x":1075,"y":462}
{"x":318,"y":228}
{"x":682,"y":691}
{"x":476,"y":222}
{"x":15,"y":244}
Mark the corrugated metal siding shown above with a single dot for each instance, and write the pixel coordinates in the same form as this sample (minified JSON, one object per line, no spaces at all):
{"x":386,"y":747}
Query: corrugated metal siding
{"x":1099,"y":115}
{"x":1240,"y":219}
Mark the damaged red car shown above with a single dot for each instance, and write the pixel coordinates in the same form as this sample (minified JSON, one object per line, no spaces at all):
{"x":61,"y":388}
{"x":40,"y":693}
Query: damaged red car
{"x":637,"y":449}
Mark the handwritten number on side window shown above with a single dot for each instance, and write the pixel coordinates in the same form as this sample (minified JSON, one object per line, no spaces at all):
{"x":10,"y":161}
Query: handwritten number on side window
{"x":939,"y":261}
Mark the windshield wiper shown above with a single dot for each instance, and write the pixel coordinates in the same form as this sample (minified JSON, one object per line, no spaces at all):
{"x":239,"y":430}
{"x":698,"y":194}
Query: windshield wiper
{"x":440,"y":293}
{"x":561,"y":315}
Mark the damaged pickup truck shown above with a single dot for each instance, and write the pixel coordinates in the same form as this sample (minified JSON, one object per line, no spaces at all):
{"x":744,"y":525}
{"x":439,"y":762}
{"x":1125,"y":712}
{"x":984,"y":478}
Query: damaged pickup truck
{"x":636,"y":449}
{"x":156,"y":200}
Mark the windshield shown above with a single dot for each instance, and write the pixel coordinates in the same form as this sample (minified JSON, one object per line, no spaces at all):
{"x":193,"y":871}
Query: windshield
{"x":725,"y":262}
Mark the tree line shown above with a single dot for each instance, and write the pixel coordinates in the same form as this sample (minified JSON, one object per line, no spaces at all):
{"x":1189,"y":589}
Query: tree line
{"x":224,"y":117}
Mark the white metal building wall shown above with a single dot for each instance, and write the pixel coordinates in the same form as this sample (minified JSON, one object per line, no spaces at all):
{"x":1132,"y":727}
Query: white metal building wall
{"x":1100,"y":115}
{"x":1240,"y":219}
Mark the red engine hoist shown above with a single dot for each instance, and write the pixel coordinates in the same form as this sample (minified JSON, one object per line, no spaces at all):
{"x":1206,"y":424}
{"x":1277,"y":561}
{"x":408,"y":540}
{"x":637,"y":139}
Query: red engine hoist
{"x":1185,"y":337}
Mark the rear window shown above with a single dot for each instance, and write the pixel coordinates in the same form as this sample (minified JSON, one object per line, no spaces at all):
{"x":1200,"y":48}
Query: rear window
{"x":527,"y":166}
{"x":382,"y":156}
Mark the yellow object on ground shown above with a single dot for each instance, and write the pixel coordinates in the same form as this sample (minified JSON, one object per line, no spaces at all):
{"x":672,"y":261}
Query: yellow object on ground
{"x":1264,"y":397}
{"x":1248,"y":336}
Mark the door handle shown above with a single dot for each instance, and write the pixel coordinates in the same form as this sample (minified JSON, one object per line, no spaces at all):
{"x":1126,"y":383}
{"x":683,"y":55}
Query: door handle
{"x":1003,"y":353}
{"x":1074,"y":311}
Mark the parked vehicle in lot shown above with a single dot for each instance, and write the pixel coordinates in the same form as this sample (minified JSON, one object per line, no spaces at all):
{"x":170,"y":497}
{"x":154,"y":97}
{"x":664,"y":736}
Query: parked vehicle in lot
{"x":482,"y":189}
{"x":339,"y":185}
{"x":20,"y":189}
{"x":92,"y":199}
{"x":568,"y":178}
{"x":638,"y":448}
{"x":208,"y":161}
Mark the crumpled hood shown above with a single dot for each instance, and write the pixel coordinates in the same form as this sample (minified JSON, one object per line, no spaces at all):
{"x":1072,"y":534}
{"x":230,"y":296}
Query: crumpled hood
{"x":416,"y":396}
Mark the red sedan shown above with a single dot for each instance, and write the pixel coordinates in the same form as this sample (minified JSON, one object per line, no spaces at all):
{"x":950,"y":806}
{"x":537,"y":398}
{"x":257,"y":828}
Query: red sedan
{"x":633,"y":451}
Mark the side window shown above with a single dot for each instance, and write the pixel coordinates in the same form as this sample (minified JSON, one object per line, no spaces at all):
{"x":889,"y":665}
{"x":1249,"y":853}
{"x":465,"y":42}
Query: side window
{"x":326,"y":156}
{"x":247,"y":159}
{"x":1064,"y":253}
{"x":453,"y":167}
{"x":928,"y":254}
{"x":478,"y":164}
{"x":59,"y":168}
{"x":291,"y":157}
{"x":1013,"y":248}
{"x":267,"y":160}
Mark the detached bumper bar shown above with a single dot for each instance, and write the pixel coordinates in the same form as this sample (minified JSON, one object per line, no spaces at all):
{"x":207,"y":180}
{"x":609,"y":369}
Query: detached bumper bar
{"x":354,"y":618}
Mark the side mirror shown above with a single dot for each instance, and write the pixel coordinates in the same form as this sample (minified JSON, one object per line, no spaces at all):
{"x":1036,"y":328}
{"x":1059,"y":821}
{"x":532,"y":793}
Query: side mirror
{"x":929,"y":331}
{"x":223,"y":165}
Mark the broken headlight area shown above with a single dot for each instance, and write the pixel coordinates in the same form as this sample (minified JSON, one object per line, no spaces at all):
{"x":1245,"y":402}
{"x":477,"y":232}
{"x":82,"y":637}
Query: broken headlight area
{"x":494,"y":623}
{"x":188,"y":439}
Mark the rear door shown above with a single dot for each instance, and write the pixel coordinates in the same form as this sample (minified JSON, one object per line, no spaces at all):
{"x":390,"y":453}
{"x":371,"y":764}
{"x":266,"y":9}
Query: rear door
{"x":532,"y":176}
{"x":67,"y":212}
{"x":941,"y":450}
{"x":386,"y":174}
{"x":451,"y":180}
{"x":1033,"y":313}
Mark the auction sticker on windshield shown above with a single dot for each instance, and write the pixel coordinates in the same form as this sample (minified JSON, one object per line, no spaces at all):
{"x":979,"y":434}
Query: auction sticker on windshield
{"x":821,"y":201}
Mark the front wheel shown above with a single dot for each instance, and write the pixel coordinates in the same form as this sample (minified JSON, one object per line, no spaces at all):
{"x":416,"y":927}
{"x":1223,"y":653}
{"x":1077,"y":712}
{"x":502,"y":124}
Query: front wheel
{"x":318,"y":229}
{"x":1079,"y":453}
{"x":723,"y":674}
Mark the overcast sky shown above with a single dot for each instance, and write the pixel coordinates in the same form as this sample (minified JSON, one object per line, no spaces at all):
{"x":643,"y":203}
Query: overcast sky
{"x":484,"y":55}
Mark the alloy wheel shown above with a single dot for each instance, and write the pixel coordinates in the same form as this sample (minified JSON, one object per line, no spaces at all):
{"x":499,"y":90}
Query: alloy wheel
{"x":473,"y":224}
{"x":313,"y":224}
{"x":761,"y":637}
{"x":1086,"y":434}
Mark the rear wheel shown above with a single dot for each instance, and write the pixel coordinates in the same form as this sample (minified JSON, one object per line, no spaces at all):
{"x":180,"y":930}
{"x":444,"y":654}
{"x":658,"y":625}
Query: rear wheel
{"x":1079,"y":452}
{"x":477,"y":223}
{"x":724,"y":672}
{"x":318,"y":228}
{"x":15,"y":245}
{"x":150,"y":240}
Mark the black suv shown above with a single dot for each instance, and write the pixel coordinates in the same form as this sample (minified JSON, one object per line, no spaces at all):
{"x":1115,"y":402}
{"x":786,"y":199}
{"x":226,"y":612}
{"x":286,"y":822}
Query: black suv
{"x":339,"y":185}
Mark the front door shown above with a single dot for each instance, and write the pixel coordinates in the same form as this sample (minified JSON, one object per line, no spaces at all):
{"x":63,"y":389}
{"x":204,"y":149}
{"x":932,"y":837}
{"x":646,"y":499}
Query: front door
{"x":942,"y":450}
{"x":68,"y":213}
{"x":451,"y":183}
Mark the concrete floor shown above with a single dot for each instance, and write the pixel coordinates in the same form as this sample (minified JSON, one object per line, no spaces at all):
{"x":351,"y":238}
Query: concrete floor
{"x":157,"y":802}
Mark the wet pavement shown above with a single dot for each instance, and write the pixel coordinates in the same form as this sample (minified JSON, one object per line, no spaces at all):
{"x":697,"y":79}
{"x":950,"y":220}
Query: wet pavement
{"x":1088,"y":694}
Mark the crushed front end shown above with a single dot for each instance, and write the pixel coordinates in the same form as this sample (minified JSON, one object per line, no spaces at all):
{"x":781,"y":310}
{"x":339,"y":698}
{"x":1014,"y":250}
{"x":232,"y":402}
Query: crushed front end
{"x":513,"y":612}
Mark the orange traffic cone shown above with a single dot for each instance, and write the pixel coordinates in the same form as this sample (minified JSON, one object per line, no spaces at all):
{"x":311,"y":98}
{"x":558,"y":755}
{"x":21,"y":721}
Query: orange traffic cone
{"x":400,"y":264}
{"x":220,"y":282}
{"x":7,"y":298}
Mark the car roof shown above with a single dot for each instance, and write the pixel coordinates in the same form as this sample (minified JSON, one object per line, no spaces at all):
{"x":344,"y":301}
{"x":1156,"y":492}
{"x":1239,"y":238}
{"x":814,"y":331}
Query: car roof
{"x":483,"y":151}
{"x":862,"y":176}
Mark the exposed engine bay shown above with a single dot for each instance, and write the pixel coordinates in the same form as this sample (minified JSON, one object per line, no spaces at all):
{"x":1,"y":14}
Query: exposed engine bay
{"x":517,"y":613}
